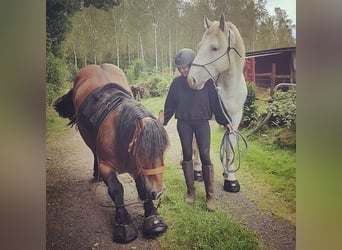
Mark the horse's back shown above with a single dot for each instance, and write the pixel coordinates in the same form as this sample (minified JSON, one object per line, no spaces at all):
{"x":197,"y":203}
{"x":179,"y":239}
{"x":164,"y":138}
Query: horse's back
{"x":93,"y":76}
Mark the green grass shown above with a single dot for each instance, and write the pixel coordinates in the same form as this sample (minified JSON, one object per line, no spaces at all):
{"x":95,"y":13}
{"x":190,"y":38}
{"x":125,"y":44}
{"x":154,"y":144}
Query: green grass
{"x":192,"y":227}
{"x":266,"y":169}
{"x":154,"y":104}
{"x":53,"y":122}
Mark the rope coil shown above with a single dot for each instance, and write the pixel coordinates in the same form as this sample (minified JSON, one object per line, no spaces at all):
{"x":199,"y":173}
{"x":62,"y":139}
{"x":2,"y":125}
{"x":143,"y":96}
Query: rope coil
{"x":227,"y":147}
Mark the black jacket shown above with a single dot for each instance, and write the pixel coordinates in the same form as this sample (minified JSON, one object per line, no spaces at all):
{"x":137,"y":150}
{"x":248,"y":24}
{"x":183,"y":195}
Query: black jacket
{"x":190,"y":104}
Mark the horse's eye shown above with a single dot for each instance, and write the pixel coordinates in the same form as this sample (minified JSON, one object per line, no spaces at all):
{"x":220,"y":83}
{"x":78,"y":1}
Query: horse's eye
{"x":213,"y":48}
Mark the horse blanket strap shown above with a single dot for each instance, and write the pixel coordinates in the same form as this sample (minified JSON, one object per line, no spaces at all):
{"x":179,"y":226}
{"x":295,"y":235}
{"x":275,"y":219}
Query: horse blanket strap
{"x":153,"y":171}
{"x":99,"y":103}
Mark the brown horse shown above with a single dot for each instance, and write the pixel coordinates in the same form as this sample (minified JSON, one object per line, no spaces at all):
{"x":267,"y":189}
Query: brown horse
{"x":124,"y":138}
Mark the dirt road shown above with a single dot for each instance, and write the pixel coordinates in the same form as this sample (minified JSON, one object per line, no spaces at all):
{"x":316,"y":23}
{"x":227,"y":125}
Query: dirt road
{"x":79,"y":212}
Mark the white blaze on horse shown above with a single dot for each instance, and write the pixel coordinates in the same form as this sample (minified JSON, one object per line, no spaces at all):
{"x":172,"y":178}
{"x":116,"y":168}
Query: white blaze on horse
{"x":221,"y":57}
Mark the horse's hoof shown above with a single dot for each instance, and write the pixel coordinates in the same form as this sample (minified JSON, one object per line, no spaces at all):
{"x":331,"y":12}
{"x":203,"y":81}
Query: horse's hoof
{"x":198,"y":176}
{"x":124,"y":233}
{"x":231,"y":186}
{"x":154,"y":226}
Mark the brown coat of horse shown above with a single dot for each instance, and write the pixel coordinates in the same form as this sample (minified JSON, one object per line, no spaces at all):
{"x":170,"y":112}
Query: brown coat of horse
{"x":129,"y":140}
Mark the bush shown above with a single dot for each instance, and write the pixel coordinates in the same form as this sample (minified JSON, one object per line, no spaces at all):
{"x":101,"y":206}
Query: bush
{"x":136,"y":71}
{"x":249,"y":109}
{"x":283,"y":109}
{"x":159,"y":86}
{"x":57,"y":78}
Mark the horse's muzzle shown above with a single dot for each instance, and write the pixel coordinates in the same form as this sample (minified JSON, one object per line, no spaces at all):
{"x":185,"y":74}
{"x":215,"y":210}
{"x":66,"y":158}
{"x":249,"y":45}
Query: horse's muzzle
{"x":192,"y":82}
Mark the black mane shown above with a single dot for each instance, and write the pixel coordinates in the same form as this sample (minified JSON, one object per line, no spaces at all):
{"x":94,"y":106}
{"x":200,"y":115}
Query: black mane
{"x":153,"y":138}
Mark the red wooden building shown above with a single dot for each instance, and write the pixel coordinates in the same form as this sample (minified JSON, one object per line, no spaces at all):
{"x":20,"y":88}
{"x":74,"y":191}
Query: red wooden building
{"x":267,"y":68}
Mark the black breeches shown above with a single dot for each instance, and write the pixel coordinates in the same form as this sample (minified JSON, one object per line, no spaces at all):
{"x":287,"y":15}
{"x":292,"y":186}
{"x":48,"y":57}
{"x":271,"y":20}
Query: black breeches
{"x":201,"y":130}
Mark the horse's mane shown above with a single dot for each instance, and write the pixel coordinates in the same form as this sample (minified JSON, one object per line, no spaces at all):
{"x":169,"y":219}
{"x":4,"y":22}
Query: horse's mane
{"x":146,"y":140}
{"x":239,"y":46}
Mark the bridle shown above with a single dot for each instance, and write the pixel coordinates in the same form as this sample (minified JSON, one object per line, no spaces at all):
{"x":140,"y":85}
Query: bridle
{"x":152,"y":171}
{"x":226,"y":52}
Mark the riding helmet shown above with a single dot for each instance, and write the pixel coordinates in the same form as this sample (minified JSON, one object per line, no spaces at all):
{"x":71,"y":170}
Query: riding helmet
{"x":184,"y":57}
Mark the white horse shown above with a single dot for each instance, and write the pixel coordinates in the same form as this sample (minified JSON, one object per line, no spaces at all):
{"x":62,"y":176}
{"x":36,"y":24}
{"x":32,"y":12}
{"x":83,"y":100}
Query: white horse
{"x":221,"y":57}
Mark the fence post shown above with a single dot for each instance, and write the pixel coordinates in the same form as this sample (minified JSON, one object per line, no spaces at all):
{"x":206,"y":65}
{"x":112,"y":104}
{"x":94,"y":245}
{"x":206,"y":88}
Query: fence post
{"x":273,"y":77}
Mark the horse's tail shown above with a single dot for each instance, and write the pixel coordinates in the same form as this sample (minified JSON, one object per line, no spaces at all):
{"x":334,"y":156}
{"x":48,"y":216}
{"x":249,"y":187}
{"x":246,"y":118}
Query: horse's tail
{"x":65,"y":107}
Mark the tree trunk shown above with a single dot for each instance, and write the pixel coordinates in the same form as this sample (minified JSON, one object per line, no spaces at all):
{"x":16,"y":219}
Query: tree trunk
{"x":75,"y":55}
{"x":155,"y":45}
{"x":170,"y":51}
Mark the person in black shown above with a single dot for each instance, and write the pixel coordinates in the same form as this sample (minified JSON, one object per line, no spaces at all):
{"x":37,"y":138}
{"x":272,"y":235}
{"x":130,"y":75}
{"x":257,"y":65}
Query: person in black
{"x":193,"y":109}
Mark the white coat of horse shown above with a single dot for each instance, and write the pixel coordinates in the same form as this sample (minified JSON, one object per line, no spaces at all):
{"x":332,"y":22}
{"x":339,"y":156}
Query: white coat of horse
{"x":221,"y":57}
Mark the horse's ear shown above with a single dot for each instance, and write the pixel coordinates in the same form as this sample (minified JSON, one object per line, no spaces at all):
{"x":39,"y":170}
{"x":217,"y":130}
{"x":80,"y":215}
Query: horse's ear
{"x":207,"y":23}
{"x":222,"y":22}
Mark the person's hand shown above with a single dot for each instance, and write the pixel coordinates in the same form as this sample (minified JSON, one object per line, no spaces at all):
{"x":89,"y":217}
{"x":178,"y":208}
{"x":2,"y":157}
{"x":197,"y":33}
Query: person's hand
{"x":229,"y":128}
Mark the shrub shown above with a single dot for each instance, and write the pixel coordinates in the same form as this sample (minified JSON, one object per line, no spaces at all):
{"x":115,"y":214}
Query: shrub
{"x":159,"y":86}
{"x":57,"y":78}
{"x":249,"y":109}
{"x":283,"y":109}
{"x":136,"y":71}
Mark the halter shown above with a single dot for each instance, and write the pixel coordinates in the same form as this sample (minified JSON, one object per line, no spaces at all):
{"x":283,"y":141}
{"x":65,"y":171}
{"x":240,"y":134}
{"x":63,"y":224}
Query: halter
{"x":226,"y":52}
{"x":153,"y":171}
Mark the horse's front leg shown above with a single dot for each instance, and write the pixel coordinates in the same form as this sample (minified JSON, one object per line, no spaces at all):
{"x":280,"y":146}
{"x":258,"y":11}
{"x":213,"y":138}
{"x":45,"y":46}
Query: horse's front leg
{"x":231,"y":183}
{"x":154,"y":225}
{"x":124,"y":230}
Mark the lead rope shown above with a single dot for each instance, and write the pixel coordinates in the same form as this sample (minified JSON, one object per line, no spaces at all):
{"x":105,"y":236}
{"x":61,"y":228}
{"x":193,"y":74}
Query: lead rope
{"x":129,"y":204}
{"x":227,"y":145}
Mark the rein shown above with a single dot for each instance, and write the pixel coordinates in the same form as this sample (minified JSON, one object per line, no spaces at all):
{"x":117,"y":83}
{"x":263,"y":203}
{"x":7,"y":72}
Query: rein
{"x":129,"y":204}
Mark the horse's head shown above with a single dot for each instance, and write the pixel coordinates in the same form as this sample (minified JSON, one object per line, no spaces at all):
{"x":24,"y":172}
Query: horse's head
{"x":149,"y":155}
{"x":153,"y":179}
{"x":221,"y":50}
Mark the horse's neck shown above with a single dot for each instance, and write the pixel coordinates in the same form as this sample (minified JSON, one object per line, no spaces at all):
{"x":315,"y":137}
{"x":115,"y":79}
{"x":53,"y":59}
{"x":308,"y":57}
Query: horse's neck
{"x":233,"y":92}
{"x":231,"y":81}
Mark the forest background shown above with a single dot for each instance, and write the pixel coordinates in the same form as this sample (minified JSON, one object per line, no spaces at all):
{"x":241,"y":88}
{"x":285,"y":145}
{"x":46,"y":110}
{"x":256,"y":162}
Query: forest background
{"x":142,"y":37}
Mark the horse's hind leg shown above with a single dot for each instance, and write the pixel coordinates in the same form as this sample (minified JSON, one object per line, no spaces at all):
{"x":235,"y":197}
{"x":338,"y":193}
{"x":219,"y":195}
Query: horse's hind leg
{"x":198,"y":175}
{"x":124,"y":229}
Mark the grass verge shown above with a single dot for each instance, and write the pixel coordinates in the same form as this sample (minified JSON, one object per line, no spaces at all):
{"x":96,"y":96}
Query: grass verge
{"x":192,"y":227}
